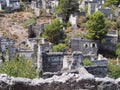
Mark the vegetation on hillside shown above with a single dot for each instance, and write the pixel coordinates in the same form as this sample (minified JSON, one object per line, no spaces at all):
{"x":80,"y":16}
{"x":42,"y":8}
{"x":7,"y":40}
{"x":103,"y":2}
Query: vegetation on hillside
{"x":59,"y":47}
{"x":22,"y":7}
{"x":29,"y":22}
{"x":118,"y":50}
{"x":54,"y":32}
{"x":113,"y":70}
{"x":118,"y":26}
{"x":96,"y":26}
{"x":87,"y":62}
{"x":67,"y":7}
{"x":109,"y":3}
{"x":19,"y":67}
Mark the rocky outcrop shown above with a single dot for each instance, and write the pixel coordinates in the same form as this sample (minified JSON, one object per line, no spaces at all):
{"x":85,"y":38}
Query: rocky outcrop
{"x":66,"y":81}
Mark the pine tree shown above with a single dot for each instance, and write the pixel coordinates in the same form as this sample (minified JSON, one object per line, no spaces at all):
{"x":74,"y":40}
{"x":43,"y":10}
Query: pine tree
{"x":67,"y":7}
{"x":96,"y":26}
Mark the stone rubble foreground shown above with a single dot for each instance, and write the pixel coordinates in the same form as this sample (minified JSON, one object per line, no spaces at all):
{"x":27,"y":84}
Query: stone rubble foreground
{"x":67,"y":81}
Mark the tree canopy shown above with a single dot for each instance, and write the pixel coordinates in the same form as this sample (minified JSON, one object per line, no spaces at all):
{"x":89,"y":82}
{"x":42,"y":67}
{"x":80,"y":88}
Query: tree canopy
{"x":96,"y":26}
{"x":54,"y":32}
{"x":111,"y":2}
{"x":67,"y":7}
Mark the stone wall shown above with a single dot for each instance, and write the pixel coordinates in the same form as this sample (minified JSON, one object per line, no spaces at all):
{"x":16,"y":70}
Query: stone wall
{"x":107,"y":12}
{"x":27,"y":53}
{"x":109,"y":44}
{"x":84,"y":45}
{"x":98,"y":71}
{"x":53,"y":62}
{"x":64,"y":82}
{"x":92,"y":6}
{"x":58,"y":61}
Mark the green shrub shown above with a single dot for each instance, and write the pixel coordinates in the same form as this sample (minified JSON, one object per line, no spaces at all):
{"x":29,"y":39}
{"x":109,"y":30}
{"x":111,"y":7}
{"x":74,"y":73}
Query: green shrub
{"x":87,"y":62}
{"x":59,"y":47}
{"x":19,"y":67}
{"x":83,"y":25}
{"x":69,"y":24}
{"x":108,"y":24}
{"x":31,"y":10}
{"x":68,"y":30}
{"x":43,"y":12}
{"x":54,"y":32}
{"x":29,"y":22}
{"x":22,"y":7}
{"x":113,"y":70}
{"x":81,"y":20}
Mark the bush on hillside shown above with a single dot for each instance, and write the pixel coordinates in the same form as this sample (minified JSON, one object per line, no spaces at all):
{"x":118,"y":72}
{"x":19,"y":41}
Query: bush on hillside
{"x":113,"y":70}
{"x":29,"y":22}
{"x":59,"y":47}
{"x":19,"y":67}
{"x":87,"y":62}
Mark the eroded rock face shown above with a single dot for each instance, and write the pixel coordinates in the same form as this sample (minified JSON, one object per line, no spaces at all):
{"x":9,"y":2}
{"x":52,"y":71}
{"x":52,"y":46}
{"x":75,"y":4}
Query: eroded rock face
{"x":67,"y":81}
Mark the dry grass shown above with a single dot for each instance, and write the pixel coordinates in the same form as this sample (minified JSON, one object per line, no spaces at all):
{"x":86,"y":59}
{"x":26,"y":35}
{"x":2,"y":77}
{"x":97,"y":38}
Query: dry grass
{"x":11,"y":25}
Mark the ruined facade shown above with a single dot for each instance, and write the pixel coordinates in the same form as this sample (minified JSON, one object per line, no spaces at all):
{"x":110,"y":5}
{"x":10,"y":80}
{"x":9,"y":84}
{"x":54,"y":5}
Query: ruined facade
{"x":10,"y":5}
{"x":7,"y":47}
{"x":87,"y":47}
{"x":110,"y":42}
{"x":92,"y":7}
{"x":49,"y":5}
{"x":49,"y":61}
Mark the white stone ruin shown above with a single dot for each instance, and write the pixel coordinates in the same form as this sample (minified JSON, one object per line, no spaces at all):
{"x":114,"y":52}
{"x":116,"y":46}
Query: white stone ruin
{"x":0,"y":7}
{"x":39,"y":60}
{"x":92,"y":7}
{"x":37,"y":11}
{"x":73,"y":20}
{"x":65,"y":63}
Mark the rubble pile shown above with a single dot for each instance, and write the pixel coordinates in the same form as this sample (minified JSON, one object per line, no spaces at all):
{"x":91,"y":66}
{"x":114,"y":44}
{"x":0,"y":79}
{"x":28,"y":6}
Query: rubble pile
{"x":66,"y":81}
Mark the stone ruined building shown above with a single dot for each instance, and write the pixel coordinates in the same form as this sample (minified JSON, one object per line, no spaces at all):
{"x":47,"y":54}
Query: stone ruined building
{"x":60,"y":61}
{"x":10,"y":5}
{"x":35,"y":6}
{"x":36,"y":30}
{"x":89,"y":50}
{"x":107,"y":12}
{"x":49,"y":61}
{"x":85,"y":3}
{"x":29,"y":48}
{"x":7,"y":48}
{"x":73,"y":19}
{"x":96,"y":5}
{"x":49,"y":5}
{"x":117,"y":12}
{"x":110,"y":42}
{"x":92,"y":7}
{"x":86,"y":46}
{"x":2,"y":5}
{"x":99,"y":67}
